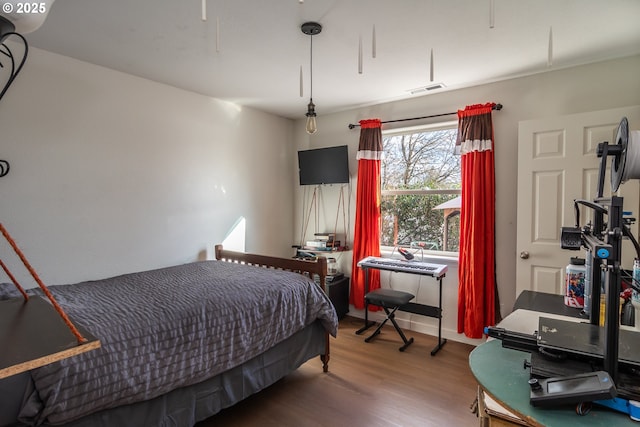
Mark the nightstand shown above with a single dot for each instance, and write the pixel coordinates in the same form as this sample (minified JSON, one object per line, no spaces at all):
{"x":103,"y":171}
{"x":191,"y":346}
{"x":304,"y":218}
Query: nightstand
{"x":338,"y":291}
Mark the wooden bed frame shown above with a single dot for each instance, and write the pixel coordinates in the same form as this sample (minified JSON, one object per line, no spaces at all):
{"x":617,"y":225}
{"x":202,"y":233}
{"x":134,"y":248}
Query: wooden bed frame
{"x":177,"y":399}
{"x":315,"y":267}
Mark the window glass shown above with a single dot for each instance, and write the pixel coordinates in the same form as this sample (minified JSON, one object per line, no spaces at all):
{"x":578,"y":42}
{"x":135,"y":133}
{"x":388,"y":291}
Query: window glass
{"x":420,"y":177}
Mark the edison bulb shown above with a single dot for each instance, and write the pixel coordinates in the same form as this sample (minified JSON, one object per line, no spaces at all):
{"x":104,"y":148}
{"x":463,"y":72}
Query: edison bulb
{"x":311,"y":125}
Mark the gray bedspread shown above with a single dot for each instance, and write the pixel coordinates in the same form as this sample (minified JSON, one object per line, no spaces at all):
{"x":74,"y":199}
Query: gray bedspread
{"x":170,"y":328}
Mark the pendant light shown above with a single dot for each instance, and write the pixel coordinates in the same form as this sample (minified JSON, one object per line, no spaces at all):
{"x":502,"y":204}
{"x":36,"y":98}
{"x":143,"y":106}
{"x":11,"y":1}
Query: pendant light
{"x":311,"y":29}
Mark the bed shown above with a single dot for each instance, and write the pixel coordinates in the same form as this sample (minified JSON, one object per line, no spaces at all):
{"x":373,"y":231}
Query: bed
{"x":179,"y":344}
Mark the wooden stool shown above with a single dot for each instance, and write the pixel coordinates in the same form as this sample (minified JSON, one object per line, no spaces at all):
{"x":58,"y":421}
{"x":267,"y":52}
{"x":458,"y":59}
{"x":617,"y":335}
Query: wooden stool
{"x":390,"y":300}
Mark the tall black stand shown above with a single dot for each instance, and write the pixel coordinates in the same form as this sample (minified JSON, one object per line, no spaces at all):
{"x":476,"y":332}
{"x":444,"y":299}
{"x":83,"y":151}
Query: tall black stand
{"x":613,"y":286}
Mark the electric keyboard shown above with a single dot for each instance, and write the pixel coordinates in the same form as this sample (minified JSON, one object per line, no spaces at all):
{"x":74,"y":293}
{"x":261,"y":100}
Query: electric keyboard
{"x":403,"y":266}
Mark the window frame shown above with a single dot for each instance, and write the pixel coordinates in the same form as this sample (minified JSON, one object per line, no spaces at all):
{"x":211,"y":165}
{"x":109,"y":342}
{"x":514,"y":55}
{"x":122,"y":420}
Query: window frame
{"x":430,"y":253}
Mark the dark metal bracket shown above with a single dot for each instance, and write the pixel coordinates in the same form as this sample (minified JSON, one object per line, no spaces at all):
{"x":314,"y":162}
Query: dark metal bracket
{"x":7,"y":29}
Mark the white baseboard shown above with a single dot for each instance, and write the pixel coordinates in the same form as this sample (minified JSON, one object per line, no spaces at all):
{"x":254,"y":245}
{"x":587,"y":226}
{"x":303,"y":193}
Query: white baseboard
{"x":418,"y":325}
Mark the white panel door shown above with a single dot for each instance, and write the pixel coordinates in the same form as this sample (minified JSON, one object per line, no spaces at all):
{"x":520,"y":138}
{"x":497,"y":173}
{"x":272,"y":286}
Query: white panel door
{"x":557,"y":163}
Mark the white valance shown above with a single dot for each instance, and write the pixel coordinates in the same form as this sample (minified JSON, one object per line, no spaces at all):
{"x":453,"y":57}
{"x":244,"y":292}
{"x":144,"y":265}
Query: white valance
{"x":475,"y":145}
{"x":369,"y":155}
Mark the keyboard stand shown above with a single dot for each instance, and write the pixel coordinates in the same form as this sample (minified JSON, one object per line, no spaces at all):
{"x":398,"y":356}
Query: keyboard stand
{"x":414,"y":308}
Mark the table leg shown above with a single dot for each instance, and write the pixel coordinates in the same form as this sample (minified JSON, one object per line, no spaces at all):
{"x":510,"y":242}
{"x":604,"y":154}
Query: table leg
{"x":367,"y":324}
{"x":441,"y":341}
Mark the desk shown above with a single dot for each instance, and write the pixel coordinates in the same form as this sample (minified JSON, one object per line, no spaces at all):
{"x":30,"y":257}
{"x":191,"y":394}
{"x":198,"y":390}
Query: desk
{"x":415,"y":308}
{"x":500,"y":372}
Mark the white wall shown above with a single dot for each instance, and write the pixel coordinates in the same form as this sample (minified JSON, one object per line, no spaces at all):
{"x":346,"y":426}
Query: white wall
{"x":586,"y":88}
{"x":111,"y":173}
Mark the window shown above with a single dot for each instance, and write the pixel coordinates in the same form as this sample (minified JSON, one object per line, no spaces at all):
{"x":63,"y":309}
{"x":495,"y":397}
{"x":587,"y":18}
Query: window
{"x":421,"y":182}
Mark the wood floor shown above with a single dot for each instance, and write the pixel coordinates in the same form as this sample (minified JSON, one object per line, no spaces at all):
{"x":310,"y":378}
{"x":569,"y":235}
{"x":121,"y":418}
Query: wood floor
{"x":368,"y":384}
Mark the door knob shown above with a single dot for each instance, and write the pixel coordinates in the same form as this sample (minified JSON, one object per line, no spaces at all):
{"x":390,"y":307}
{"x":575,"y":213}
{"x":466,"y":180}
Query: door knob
{"x":524,"y":255}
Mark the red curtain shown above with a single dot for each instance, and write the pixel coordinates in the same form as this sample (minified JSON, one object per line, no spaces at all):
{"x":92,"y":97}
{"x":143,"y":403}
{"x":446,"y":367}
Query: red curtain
{"x":477,"y":290}
{"x":366,"y":240}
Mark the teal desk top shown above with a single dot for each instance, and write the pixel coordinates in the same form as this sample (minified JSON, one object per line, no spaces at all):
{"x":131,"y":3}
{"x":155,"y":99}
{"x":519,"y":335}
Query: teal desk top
{"x":500,"y":372}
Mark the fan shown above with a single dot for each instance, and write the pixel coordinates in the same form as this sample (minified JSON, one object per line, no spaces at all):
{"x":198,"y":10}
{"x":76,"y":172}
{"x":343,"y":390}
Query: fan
{"x":16,"y":19}
{"x":24,"y":17}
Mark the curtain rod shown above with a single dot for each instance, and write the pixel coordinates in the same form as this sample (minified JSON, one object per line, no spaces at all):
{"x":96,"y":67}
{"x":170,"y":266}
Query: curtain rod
{"x":497,"y":107}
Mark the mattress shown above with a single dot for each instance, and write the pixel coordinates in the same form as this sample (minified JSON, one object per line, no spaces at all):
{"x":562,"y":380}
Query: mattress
{"x":168,"y":329}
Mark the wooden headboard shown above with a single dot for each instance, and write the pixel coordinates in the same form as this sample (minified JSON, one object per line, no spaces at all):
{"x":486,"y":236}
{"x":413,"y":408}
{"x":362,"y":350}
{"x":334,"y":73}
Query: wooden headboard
{"x":315,"y":267}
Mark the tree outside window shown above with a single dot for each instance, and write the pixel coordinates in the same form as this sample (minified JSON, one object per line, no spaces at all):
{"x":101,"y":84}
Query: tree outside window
{"x":421,"y":189}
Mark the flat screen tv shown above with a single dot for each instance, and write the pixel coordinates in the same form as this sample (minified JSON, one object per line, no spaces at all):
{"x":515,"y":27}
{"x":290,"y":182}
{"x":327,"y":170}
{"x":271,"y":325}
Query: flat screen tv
{"x":324,"y":166}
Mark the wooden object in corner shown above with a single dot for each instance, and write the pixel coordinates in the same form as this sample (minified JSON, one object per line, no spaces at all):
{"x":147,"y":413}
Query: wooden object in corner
{"x":314,"y":267}
{"x":32,"y":334}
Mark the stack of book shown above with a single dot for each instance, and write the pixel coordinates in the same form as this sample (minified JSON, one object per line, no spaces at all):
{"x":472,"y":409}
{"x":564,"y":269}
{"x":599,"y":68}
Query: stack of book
{"x":323,"y":242}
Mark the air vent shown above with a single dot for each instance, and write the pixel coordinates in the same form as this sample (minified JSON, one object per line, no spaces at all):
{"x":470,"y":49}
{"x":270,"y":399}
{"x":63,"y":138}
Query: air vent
{"x":426,"y":88}
{"x":435,"y":86}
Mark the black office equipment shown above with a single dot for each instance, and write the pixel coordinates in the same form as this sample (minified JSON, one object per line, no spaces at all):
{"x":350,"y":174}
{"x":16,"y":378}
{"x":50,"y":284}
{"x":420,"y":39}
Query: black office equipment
{"x":572,"y":389}
{"x":560,"y":350}
{"x":587,"y":341}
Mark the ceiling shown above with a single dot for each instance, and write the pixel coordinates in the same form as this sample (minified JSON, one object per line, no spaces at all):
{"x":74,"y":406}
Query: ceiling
{"x":251,"y":52}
